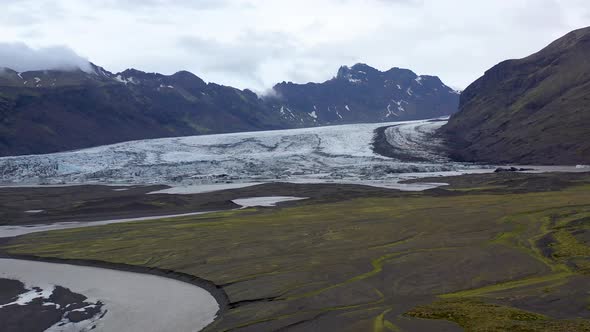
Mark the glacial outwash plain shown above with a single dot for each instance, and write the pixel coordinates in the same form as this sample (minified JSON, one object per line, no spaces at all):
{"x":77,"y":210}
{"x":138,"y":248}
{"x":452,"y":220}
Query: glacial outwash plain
{"x":489,"y":252}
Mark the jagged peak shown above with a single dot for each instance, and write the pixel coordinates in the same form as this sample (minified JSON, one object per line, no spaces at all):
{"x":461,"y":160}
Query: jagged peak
{"x":345,"y":72}
{"x":100,"y":71}
{"x":132,"y":72}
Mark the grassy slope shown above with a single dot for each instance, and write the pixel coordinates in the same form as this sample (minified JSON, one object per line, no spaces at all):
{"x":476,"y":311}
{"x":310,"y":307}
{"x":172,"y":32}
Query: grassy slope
{"x":360,"y":265}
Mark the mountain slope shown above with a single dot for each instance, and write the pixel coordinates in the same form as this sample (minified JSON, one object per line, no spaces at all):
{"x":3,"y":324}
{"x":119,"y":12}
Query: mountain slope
{"x":54,"y":111}
{"x":531,"y":110}
{"x":364,"y":94}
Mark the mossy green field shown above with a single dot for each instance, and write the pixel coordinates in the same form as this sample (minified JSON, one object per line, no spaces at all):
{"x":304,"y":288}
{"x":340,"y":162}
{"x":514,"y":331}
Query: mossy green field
{"x":482,"y":256}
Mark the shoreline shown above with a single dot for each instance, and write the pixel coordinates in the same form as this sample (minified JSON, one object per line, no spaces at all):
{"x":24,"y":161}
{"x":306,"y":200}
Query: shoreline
{"x":215,"y":290}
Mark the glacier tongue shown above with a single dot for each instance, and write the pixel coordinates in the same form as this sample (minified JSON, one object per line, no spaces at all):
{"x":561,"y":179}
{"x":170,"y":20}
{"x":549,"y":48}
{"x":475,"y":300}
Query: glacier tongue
{"x":335,"y":153}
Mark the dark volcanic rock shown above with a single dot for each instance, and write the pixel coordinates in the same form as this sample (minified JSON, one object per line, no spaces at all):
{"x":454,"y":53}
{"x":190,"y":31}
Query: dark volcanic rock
{"x":511,"y":169}
{"x":10,"y":290}
{"x":41,"y":313}
{"x":534,"y":110}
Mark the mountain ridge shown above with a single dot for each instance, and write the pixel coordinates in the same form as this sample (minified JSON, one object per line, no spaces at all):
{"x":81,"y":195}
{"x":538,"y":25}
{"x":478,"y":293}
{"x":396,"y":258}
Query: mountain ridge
{"x":56,"y":110}
{"x":364,"y":94}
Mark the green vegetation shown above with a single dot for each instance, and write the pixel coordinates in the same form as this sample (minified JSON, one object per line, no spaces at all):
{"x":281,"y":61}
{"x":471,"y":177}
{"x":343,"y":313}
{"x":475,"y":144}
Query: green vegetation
{"x":478,"y":316}
{"x":360,"y":265}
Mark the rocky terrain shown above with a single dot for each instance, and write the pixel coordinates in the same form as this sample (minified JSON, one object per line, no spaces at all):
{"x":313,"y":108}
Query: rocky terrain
{"x":50,"y":111}
{"x":534,"y":110}
{"x":51,"y":308}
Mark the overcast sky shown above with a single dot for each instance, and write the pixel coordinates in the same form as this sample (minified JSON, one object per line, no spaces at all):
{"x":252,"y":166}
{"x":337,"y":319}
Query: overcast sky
{"x":256,"y":43}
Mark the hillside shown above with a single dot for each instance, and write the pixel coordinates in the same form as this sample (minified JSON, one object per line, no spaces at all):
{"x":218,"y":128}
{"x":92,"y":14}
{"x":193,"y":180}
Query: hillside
{"x":50,"y":111}
{"x":534,"y":110}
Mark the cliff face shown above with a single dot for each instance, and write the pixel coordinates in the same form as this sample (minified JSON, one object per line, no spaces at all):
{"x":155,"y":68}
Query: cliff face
{"x":534,"y":110}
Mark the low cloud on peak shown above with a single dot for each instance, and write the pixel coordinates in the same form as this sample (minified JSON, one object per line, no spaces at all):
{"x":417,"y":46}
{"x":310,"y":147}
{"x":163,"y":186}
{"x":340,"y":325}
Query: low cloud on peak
{"x":21,"y":57}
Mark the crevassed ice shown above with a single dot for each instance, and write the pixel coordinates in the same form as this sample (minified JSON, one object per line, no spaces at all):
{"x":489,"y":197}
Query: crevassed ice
{"x":333,"y":152}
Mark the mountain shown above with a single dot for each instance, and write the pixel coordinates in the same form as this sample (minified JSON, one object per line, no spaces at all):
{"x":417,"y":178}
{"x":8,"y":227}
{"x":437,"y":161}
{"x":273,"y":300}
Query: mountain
{"x":364,"y":94}
{"x":48,"y":111}
{"x":52,"y":110}
{"x":534,"y":110}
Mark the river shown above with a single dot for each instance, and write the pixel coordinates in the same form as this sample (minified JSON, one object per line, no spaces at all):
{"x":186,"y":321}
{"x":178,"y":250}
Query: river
{"x":134,"y":302}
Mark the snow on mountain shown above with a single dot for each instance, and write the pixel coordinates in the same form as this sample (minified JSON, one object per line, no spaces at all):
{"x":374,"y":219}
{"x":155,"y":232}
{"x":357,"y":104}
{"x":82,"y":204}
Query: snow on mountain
{"x":334,"y":153}
{"x":361,"y":94}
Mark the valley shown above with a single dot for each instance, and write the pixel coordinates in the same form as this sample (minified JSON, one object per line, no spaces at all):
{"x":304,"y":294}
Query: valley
{"x":282,"y":191}
{"x":344,"y":248}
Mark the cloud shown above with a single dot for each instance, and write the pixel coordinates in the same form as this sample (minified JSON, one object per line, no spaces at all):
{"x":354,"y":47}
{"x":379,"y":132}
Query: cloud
{"x":135,"y":5}
{"x":256,"y":43}
{"x":29,"y":12}
{"x":20,"y":57}
{"x":244,"y":58}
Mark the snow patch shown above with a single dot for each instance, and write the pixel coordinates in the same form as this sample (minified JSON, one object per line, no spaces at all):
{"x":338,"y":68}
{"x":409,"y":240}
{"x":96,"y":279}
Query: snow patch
{"x":125,"y":80}
{"x":399,"y":105}
{"x":313,"y":115}
{"x":31,"y":295}
{"x":203,"y":188}
{"x":285,"y":111}
{"x":390,"y":112}
{"x":265,"y":201}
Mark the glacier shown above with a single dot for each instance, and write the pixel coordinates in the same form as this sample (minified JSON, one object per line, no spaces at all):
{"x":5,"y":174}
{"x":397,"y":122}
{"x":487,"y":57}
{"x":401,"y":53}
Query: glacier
{"x":342,"y":153}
